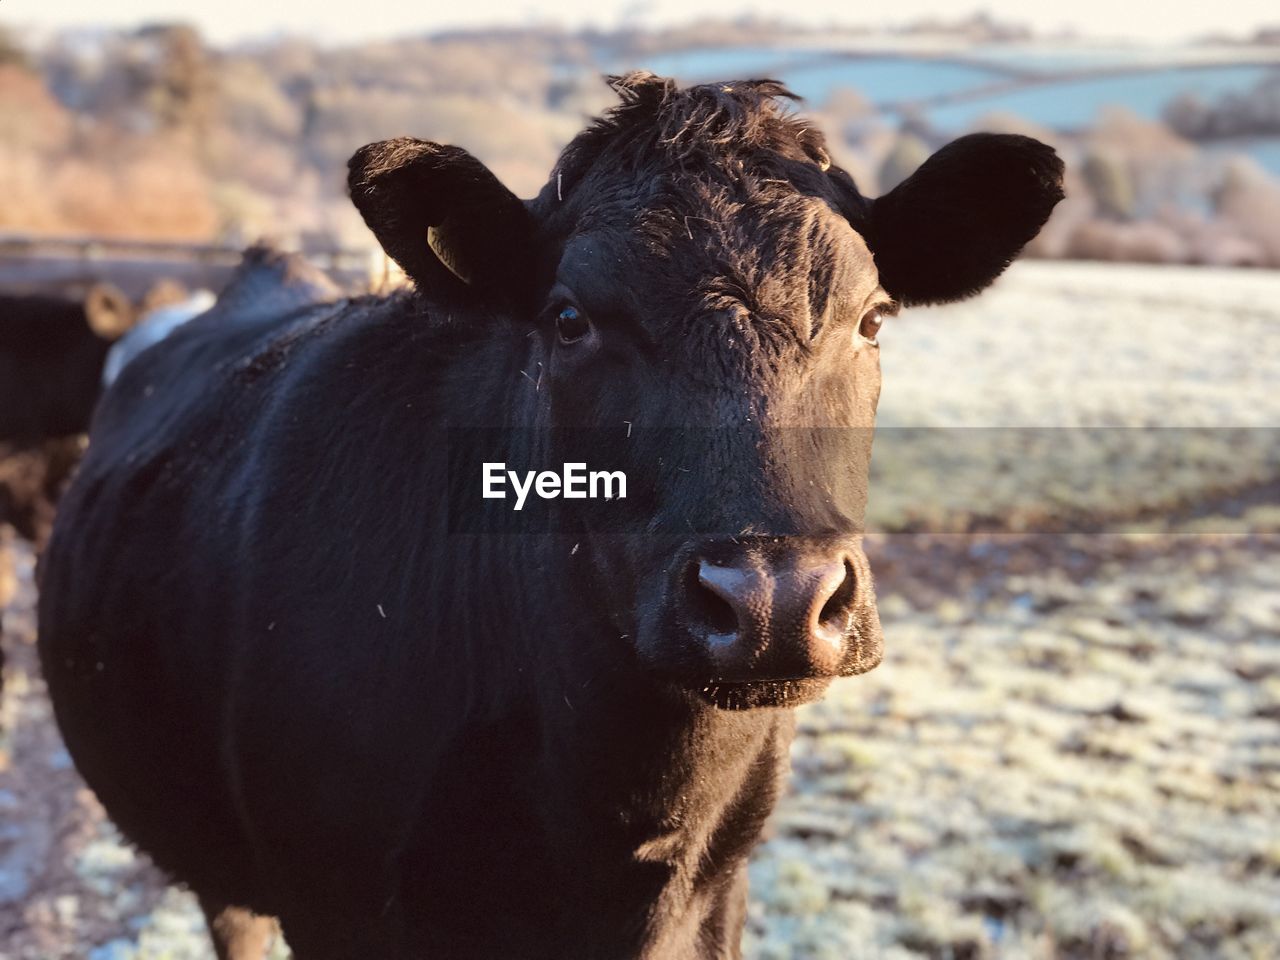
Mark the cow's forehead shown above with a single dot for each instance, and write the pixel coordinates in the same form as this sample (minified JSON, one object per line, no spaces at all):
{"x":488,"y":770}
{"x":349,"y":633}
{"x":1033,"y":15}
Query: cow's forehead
{"x":777,"y":255}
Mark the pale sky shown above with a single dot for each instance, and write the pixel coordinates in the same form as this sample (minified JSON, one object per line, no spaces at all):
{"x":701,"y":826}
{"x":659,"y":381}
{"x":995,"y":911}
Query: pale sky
{"x":228,"y":20}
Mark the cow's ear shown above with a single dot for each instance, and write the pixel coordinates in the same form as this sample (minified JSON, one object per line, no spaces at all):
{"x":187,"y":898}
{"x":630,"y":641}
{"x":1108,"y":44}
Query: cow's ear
{"x":951,"y":228}
{"x":109,"y":312}
{"x":444,"y":217}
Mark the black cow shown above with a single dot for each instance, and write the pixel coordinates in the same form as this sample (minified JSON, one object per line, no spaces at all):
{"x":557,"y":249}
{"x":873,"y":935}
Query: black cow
{"x":51,"y":354}
{"x":52,"y":351}
{"x":300,"y":674}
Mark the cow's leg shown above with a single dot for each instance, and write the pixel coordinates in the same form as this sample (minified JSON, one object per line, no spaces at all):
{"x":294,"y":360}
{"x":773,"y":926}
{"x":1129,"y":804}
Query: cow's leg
{"x":238,"y":933}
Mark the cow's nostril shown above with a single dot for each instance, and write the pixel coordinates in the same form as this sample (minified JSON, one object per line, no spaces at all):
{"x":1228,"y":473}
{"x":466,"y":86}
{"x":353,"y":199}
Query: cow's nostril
{"x":769,"y":616}
{"x":835,"y":612}
{"x":707,"y":607}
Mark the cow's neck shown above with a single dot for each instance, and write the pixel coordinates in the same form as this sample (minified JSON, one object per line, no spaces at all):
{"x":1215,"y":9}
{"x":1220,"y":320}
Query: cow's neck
{"x":650,"y":798}
{"x":660,"y":799}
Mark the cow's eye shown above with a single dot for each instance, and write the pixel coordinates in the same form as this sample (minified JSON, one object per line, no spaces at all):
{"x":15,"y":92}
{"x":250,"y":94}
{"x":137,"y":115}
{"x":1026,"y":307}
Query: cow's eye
{"x":572,"y":325}
{"x":870,"y":324}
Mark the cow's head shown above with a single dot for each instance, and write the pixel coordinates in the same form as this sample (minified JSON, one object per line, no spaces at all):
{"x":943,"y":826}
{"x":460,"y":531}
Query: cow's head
{"x":698,"y":274}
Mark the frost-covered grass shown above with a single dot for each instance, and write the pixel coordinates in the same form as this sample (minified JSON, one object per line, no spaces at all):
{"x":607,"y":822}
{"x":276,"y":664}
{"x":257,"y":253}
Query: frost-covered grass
{"x":1081,"y":394}
{"x":1060,"y":344}
{"x":1081,"y":758}
{"x":1065,"y":768}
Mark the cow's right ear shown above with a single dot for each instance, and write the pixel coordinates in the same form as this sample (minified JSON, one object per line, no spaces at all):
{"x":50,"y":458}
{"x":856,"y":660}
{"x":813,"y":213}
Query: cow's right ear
{"x":444,"y":217}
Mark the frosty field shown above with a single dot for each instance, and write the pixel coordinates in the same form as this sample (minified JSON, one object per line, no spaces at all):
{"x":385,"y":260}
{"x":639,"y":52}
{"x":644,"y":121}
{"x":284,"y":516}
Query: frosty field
{"x":1072,"y":748}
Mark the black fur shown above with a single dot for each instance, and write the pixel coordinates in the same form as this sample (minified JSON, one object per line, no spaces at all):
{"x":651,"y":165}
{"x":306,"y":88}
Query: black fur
{"x":299,"y":680}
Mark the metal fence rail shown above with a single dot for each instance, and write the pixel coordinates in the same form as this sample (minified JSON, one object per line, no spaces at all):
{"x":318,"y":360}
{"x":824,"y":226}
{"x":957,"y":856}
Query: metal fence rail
{"x":70,"y":264}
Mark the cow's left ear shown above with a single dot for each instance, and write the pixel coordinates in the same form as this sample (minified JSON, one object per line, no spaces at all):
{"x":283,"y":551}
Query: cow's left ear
{"x":951,"y":228}
{"x":444,"y":217}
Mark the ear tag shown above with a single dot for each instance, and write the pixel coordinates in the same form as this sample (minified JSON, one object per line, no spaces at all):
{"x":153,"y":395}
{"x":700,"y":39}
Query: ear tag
{"x":441,"y":250}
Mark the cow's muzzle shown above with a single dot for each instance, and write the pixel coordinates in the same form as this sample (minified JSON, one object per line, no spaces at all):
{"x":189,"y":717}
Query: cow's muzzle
{"x":781,"y":615}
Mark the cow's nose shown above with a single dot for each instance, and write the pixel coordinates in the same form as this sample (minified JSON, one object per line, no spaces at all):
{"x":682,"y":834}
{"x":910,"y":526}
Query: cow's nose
{"x":774,"y":617}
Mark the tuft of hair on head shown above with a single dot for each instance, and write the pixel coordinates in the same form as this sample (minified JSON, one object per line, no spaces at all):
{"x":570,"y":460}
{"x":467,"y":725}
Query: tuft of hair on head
{"x":744,"y":114}
{"x":658,"y":121}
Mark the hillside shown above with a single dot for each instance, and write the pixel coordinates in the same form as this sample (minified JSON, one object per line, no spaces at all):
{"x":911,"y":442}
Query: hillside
{"x":1172,"y":153}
